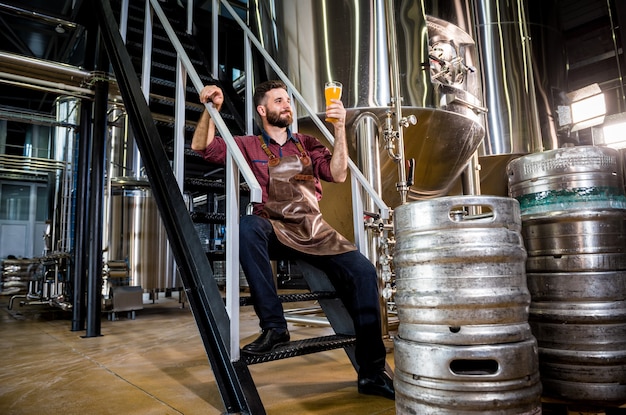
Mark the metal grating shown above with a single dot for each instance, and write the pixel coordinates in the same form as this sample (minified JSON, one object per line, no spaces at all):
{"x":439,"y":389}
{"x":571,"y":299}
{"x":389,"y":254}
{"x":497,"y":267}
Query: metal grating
{"x":296,"y":297}
{"x":302,"y":347}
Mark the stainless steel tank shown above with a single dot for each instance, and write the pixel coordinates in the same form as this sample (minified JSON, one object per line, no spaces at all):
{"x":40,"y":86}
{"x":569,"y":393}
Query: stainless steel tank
{"x":133,"y":231}
{"x":523,"y":66}
{"x":67,"y":113}
{"x":137,"y":235}
{"x":464,"y":344}
{"x":315,"y":41}
{"x":574,"y":227}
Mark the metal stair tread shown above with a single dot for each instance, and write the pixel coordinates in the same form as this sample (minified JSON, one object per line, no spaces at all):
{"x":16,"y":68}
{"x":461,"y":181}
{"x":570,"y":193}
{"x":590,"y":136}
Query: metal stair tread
{"x":181,"y":35}
{"x":301,"y":347}
{"x":204,"y":217}
{"x":295,"y":297}
{"x":168,"y":120}
{"x":138,"y":16}
{"x":155,"y":80}
{"x":172,"y":69}
{"x":161,"y":52}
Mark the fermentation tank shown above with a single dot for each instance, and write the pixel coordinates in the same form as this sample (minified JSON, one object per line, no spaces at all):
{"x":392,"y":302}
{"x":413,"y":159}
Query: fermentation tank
{"x":137,"y":235}
{"x":133,"y":231}
{"x":432,"y":72}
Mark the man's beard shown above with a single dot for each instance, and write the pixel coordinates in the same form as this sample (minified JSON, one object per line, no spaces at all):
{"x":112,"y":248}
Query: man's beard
{"x":274,"y":118}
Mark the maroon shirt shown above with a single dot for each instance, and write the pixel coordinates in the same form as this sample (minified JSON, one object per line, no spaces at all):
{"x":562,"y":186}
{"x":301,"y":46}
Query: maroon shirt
{"x":250,"y":147}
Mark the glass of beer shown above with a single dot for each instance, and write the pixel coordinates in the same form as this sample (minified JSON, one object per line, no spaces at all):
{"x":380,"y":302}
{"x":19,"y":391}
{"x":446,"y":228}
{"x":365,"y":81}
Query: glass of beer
{"x":332,"y":90}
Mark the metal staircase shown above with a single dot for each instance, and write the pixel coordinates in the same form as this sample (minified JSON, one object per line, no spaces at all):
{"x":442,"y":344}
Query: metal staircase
{"x":153,"y":134}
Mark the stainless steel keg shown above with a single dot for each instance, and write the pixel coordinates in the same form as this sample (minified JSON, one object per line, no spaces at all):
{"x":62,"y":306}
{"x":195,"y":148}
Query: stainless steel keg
{"x":574,"y":229}
{"x":571,"y":178}
{"x":464,"y":344}
{"x":497,"y":379}
{"x":461,"y":279}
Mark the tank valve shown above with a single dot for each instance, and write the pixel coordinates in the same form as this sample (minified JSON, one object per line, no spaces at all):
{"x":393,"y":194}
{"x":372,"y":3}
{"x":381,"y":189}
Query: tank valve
{"x":410,"y":120}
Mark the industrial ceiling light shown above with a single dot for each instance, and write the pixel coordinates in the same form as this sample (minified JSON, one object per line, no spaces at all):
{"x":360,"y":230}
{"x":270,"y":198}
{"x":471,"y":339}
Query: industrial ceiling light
{"x":587,"y":108}
{"x":59,"y":29}
{"x":613,"y":132}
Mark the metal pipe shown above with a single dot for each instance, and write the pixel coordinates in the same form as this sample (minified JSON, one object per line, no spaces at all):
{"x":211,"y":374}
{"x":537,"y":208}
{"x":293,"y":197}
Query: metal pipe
{"x":215,"y":7}
{"x":37,"y":16}
{"x":146,"y":62}
{"x":396,"y":97}
{"x":470,"y":180}
{"x":189,"y":17}
{"x":124,"y":19}
{"x":617,"y":54}
{"x":35,"y":83}
{"x":310,"y":320}
{"x":71,"y":74}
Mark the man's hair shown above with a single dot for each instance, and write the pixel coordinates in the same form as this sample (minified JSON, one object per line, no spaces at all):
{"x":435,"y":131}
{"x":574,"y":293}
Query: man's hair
{"x":262,"y":88}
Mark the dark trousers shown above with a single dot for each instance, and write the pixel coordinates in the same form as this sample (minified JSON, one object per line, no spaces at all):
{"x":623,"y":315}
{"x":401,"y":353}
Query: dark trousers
{"x":352,"y":274}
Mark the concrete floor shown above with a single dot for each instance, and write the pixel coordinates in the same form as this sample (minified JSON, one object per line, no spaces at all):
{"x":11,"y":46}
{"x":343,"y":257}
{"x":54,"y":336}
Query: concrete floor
{"x":156,"y":364}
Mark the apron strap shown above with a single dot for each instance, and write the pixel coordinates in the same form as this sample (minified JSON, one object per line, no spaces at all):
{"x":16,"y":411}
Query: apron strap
{"x":274,"y":161}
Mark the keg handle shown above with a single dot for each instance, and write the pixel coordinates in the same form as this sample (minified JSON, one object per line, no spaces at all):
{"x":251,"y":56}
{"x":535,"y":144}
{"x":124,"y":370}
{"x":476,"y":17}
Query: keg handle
{"x":458,"y":212}
{"x":496,"y":211}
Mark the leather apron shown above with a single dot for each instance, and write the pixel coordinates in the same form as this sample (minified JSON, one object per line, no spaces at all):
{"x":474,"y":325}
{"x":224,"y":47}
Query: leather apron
{"x":293,"y":210}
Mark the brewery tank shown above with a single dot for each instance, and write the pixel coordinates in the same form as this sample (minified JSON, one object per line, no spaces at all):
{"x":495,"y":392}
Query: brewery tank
{"x":137,"y":235}
{"x":314,"y":41}
{"x":133,"y":230}
{"x":524,"y":70}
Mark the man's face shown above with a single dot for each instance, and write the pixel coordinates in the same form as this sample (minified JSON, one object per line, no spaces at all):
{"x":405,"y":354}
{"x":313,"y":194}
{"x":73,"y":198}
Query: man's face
{"x":278,"y":108}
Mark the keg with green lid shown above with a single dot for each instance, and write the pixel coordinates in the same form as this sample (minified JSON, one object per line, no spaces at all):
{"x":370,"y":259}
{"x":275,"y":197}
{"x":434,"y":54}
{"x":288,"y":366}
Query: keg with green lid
{"x":574,"y":230}
{"x":567,"y":178}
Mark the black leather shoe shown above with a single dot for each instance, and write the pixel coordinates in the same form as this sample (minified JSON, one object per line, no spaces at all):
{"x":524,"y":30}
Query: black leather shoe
{"x":269,"y":339}
{"x":380,"y":384}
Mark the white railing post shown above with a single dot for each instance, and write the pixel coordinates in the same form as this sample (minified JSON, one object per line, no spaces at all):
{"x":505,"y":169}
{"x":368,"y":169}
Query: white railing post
{"x":124,"y":19}
{"x":190,"y":17}
{"x":179,"y":123}
{"x":250,"y":111}
{"x":214,"y":39}
{"x":146,"y":62}
{"x":232,"y":255}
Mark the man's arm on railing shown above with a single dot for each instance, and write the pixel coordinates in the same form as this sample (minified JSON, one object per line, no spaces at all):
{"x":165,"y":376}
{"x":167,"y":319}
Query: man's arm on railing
{"x":205,"y":130}
{"x":204,"y":134}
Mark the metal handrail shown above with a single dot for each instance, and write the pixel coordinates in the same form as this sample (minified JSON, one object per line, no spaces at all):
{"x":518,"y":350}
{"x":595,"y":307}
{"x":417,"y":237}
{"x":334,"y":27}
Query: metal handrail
{"x":233,"y":149}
